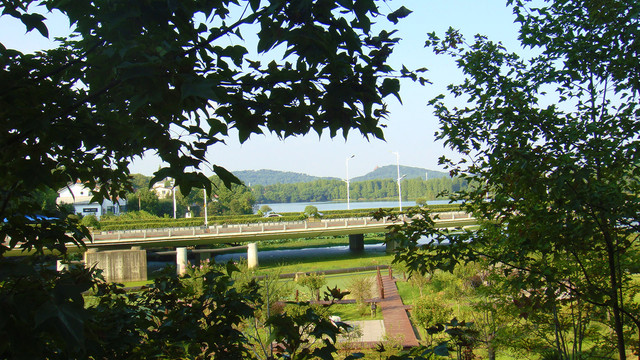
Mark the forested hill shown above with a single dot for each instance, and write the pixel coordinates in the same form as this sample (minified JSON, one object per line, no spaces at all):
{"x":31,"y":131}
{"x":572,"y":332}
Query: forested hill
{"x":270,"y":177}
{"x":391,"y":172}
{"x":336,"y":190}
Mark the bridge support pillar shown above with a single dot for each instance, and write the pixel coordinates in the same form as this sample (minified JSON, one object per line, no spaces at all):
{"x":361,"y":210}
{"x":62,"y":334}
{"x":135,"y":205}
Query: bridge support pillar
{"x":356,"y":242}
{"x":252,"y":255}
{"x":60,"y":266}
{"x":181,"y":261}
{"x":119,"y":265}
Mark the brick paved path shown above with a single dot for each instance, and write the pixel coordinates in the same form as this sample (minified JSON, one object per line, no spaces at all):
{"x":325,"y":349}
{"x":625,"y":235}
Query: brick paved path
{"x":396,"y":320}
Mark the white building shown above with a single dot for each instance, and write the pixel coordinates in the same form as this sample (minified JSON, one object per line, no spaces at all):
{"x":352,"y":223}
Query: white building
{"x":163,"y":191}
{"x":80,"y":196}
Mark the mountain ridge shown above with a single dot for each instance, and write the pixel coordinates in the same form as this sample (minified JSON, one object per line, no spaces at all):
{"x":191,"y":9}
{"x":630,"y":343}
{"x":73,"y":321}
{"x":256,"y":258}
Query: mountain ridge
{"x":408,"y":172}
{"x":270,"y":177}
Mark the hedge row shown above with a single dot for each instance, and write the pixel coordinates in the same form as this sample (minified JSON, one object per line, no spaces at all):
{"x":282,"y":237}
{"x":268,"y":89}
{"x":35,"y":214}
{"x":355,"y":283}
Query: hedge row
{"x":198,"y":221}
{"x":115,"y":224}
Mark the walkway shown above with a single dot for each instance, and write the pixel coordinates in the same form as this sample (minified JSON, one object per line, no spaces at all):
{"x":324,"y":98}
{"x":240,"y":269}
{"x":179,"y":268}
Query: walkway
{"x":394,"y":312}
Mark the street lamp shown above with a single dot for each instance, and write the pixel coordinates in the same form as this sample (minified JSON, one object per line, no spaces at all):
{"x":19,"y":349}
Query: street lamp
{"x":173,"y":191}
{"x":347,"y":181}
{"x":399,"y":179}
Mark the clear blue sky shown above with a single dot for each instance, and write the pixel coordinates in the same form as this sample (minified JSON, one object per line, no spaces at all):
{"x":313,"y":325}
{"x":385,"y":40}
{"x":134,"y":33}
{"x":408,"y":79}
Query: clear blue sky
{"x":410,"y":127}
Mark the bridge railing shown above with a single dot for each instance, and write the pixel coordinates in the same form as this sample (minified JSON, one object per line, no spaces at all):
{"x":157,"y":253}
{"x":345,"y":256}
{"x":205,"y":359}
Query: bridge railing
{"x":234,"y":229}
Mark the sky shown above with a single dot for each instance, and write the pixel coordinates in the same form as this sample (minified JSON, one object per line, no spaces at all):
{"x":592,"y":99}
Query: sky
{"x":410,"y":126}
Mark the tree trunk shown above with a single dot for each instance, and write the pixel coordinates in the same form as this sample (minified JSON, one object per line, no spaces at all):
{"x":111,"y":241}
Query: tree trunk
{"x":491,"y":351}
{"x":613,"y":277}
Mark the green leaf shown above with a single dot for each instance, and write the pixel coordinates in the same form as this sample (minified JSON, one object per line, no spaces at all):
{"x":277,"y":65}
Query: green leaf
{"x":402,"y":12}
{"x":68,"y":318}
{"x":255,"y":4}
{"x":227,"y":177}
{"x":390,"y":86}
{"x":35,"y":21}
{"x":198,"y":87}
{"x":442,"y":349}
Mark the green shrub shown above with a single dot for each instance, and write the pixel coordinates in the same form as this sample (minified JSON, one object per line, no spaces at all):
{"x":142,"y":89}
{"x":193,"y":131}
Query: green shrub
{"x":446,"y":282}
{"x":361,"y":288}
{"x":90,"y":221}
{"x":311,"y":211}
{"x":312,"y":282}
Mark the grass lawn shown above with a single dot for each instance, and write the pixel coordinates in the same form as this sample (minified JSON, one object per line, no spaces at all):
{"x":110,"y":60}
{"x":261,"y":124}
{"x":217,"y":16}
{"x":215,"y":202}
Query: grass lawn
{"x":351,"y":312}
{"x":331,"y":262}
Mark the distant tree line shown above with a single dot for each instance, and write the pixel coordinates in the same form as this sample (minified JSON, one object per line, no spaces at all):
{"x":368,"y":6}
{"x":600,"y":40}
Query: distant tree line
{"x":235,"y":201}
{"x":241,"y":199}
{"x":330,"y":190}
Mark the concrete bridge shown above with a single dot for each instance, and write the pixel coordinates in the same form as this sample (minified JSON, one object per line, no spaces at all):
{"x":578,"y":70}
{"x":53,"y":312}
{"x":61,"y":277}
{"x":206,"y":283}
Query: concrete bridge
{"x":237,"y":233}
{"x":121,"y":256}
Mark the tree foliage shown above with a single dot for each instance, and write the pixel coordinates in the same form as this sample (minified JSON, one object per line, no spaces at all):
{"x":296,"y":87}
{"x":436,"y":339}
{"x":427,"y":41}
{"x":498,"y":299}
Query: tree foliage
{"x":143,"y":200}
{"x":163,"y":77}
{"x":170,"y":78}
{"x":552,"y":142}
{"x":236,"y":200}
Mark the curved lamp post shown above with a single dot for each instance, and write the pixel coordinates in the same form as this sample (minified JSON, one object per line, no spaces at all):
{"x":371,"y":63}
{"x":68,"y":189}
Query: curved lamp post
{"x":347,"y":181}
{"x":399,"y":179}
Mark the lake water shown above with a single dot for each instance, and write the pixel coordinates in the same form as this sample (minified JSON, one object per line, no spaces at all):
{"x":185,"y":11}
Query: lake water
{"x":299,"y":253}
{"x":305,"y":253}
{"x":333,"y":205}
{"x":286,"y":254}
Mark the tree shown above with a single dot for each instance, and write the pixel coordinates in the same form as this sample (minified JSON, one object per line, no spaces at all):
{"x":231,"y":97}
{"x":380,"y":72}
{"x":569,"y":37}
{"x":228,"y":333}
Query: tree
{"x":562,"y":178}
{"x":237,"y":199}
{"x":312,"y":282}
{"x":167,"y":78}
{"x":143,"y":199}
{"x":430,"y":311}
{"x":265,"y":209}
{"x":311,"y":211}
{"x":361,"y":289}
